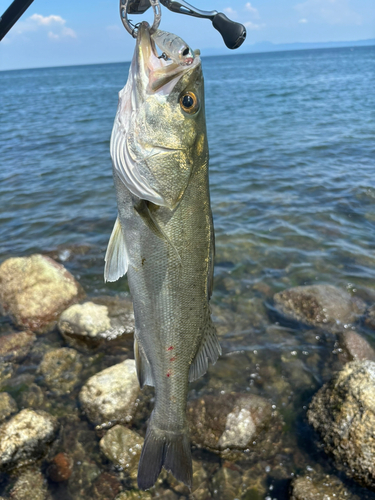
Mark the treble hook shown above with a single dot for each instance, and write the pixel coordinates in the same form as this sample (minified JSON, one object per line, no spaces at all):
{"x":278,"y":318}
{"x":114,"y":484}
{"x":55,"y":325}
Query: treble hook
{"x":133,"y":29}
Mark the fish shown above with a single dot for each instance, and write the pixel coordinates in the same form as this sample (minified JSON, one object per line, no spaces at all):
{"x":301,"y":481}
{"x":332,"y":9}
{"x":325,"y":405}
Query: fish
{"x":163,"y":238}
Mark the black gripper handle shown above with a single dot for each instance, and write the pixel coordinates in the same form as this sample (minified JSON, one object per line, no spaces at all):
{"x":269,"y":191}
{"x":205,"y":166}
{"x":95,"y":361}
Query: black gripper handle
{"x":233,"y":33}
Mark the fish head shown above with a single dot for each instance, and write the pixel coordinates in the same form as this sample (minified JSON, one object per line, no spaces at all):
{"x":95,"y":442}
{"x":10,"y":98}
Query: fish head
{"x":163,"y":119}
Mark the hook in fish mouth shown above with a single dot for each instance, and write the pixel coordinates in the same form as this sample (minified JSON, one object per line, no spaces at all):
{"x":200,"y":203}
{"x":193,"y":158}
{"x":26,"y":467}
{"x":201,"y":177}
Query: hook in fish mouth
{"x":160,"y":74}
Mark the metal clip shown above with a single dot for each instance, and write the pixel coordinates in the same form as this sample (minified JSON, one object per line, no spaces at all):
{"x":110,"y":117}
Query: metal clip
{"x":133,"y":28}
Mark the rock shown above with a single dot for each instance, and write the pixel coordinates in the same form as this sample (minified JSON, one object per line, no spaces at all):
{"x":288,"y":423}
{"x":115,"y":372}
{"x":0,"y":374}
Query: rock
{"x":134,"y":495}
{"x":229,"y":421}
{"x":370,"y":318}
{"x":61,"y":370}
{"x":226,"y":484}
{"x":343,"y":413}
{"x":319,"y":487}
{"x":60,"y":468}
{"x":33,"y":397}
{"x":30,"y":485}
{"x":35,"y":290}
{"x":123,"y":447}
{"x":110,"y":396}
{"x":354,"y":347}
{"x":24,"y":438}
{"x":16,"y":346}
{"x":7,"y":406}
{"x":319,"y":305}
{"x":89,"y":324}
{"x":106,"y":487}
{"x":6,"y":372}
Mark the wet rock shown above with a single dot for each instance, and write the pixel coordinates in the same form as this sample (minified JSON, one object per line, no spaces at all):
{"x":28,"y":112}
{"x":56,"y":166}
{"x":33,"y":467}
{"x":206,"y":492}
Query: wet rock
{"x":227,"y":422}
{"x":33,"y":397}
{"x":106,"y":487}
{"x":319,"y":305}
{"x":61,"y":369}
{"x":6,"y":372}
{"x":134,"y":495}
{"x":123,"y":447}
{"x":30,"y":485}
{"x":370,"y":318}
{"x":16,"y":346}
{"x":355,"y":347}
{"x":24,"y":438}
{"x":110,"y":396}
{"x":7,"y":406}
{"x":343,"y":413}
{"x":226,"y":484}
{"x":89,"y":324}
{"x":319,"y":487}
{"x":35,"y":290}
{"x":60,"y":468}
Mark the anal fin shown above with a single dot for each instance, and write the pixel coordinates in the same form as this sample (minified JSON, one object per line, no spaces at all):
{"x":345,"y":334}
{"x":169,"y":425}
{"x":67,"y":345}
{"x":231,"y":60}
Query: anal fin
{"x":210,"y":349}
{"x":116,"y":258}
{"x":143,"y":367}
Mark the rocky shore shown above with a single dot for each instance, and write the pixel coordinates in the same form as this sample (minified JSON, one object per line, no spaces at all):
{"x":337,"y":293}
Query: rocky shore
{"x":293,"y":424}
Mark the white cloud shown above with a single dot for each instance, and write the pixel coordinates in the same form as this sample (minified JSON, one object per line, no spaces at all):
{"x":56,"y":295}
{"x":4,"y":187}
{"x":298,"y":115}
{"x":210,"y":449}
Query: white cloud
{"x":329,"y":11}
{"x":54,"y":26}
{"x":230,"y":12}
{"x":252,"y":26}
{"x":303,"y":21}
{"x":252,"y":9}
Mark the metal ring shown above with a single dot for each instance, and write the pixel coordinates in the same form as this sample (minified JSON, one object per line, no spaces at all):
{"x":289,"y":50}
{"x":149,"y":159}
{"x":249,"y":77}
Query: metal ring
{"x":133,"y":30}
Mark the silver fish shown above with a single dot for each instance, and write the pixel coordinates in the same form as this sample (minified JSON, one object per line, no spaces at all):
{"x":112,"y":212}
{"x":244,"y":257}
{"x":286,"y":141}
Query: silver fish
{"x":164,"y":240}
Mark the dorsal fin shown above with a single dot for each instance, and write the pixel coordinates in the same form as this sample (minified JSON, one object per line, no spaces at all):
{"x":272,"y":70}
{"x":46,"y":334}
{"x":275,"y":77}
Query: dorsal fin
{"x":116,"y":257}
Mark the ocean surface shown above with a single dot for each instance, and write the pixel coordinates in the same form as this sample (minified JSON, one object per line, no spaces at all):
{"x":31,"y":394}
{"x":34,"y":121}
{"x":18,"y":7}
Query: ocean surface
{"x":292,"y":180}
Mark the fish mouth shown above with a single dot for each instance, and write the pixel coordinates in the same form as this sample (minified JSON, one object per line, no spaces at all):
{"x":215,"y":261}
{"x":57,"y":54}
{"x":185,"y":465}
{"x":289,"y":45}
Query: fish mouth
{"x":159,"y":74}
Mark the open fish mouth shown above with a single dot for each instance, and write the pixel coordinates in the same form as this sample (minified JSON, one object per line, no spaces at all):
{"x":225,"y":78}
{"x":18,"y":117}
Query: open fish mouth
{"x":160,"y":73}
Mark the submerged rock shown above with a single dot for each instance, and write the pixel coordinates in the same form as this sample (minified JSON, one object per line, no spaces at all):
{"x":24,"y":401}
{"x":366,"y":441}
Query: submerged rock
{"x":33,"y":397}
{"x":110,"y":396}
{"x":123,"y":447}
{"x":134,"y":495}
{"x":228,"y":422}
{"x":319,"y":305}
{"x":319,"y":487}
{"x":35,"y":290}
{"x":89,"y":324}
{"x":343,"y":413}
{"x":355,"y":347}
{"x":226,"y":484}
{"x":23,"y":439}
{"x":60,"y":468}
{"x":30,"y":485}
{"x":106,"y":487}
{"x":7,"y":406}
{"x":16,"y":346}
{"x":61,"y":369}
{"x":370,"y":317}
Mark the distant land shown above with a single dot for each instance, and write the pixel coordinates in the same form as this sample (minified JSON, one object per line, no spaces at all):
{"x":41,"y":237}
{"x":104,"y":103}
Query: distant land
{"x":277,"y":47}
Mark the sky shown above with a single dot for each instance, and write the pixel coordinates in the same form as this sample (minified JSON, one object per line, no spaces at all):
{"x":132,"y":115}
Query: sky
{"x":52,"y":33}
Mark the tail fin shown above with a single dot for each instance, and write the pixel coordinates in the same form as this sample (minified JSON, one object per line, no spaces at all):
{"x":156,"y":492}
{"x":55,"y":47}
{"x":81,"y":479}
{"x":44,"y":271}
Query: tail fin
{"x":164,"y":449}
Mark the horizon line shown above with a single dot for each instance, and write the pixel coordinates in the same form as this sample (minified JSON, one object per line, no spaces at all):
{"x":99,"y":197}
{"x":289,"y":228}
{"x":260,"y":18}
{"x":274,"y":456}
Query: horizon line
{"x":301,"y":49}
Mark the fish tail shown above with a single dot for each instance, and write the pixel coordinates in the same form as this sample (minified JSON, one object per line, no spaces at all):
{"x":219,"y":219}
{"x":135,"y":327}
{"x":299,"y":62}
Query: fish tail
{"x":167,"y":449}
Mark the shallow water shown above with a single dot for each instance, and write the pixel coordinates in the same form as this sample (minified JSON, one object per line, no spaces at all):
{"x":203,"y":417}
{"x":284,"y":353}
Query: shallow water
{"x":292,"y":148}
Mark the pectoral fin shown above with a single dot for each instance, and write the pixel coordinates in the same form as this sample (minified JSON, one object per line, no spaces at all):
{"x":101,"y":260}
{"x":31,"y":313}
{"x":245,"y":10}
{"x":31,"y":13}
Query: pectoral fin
{"x":116,"y":258}
{"x":142,"y":365}
{"x":209,"y":349}
{"x":143,"y":209}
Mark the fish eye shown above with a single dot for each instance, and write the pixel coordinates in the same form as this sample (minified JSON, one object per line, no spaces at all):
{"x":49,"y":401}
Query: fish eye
{"x":189,"y":103}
